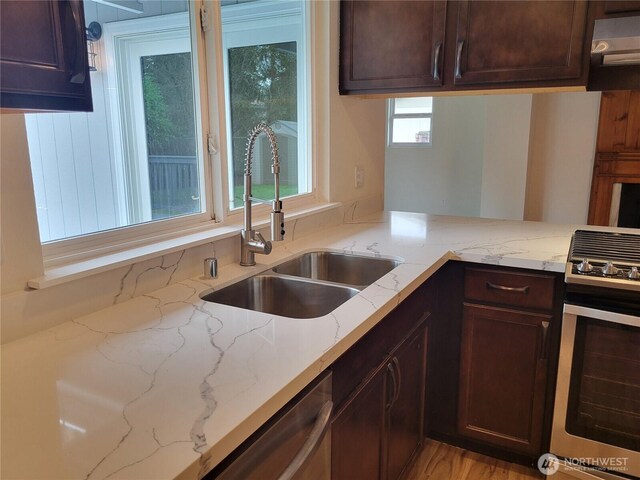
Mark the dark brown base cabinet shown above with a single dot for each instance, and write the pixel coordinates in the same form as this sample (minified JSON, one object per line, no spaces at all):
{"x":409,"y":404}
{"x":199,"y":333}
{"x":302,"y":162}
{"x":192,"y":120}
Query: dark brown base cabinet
{"x":356,"y":435}
{"x":493,"y":360}
{"x":404,"y":414}
{"x":503,"y":371}
{"x":378,"y":426}
{"x":407,"y":46}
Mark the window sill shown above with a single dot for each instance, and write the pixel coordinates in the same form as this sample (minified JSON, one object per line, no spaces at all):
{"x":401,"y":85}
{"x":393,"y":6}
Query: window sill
{"x":104,"y":263}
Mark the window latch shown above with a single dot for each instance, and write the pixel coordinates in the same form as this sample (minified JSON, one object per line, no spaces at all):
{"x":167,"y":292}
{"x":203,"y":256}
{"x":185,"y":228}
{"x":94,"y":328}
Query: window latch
{"x":211,"y":145}
{"x":204,"y":18}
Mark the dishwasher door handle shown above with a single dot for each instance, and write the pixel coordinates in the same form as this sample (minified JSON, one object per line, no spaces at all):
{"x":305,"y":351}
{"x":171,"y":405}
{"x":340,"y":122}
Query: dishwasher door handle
{"x":311,"y":444}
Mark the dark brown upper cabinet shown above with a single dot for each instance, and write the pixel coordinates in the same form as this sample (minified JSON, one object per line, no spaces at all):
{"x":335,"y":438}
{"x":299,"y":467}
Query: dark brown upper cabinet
{"x":527,"y":41}
{"x":407,"y":46}
{"x":617,"y":8}
{"x":43,"y":56}
{"x":391,"y":45}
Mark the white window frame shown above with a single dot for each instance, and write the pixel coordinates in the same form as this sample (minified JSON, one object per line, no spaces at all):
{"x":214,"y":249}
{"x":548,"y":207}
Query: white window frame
{"x":391,"y":116}
{"x":254,"y":24}
{"x":91,"y":245}
{"x":207,"y":52}
{"x":167,"y":34}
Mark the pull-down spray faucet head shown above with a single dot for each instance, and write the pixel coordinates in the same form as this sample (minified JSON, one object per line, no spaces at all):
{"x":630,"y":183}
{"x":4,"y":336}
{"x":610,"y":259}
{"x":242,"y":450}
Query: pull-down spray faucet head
{"x":252,"y":242}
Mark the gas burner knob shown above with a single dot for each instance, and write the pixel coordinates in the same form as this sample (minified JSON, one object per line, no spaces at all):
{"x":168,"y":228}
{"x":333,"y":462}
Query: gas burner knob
{"x":584,"y":266}
{"x":610,"y":269}
{"x":633,"y":274}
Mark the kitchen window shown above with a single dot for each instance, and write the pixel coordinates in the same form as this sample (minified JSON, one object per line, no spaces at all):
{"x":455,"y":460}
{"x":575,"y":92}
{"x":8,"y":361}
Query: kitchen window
{"x":409,"y":121}
{"x":266,"y":80}
{"x":137,"y":160}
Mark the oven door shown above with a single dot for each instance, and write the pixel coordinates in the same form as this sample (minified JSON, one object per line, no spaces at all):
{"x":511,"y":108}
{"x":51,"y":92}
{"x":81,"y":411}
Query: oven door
{"x":597,"y":407}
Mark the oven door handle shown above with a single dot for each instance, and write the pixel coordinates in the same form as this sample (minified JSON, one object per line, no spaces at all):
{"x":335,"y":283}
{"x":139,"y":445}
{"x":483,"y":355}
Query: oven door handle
{"x":603,"y":315}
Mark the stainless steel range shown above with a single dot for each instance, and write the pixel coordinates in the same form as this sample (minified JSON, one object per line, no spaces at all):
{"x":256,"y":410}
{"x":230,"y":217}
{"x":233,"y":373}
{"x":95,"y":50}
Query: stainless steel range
{"x":605,"y":259}
{"x":596,"y":422}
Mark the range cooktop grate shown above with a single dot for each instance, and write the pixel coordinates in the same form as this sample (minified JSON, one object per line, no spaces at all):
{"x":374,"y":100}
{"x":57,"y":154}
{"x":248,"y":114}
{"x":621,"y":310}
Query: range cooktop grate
{"x":604,"y":246}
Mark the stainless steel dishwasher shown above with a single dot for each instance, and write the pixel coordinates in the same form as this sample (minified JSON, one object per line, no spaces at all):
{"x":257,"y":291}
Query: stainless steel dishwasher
{"x":294,"y":445}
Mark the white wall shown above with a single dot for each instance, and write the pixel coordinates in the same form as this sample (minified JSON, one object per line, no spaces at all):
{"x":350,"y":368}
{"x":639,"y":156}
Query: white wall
{"x":21,"y":256}
{"x":355,"y":132}
{"x":506,"y":148}
{"x":476,"y":165}
{"x":563,"y":139}
{"x":441,"y":178}
{"x":505,"y":156}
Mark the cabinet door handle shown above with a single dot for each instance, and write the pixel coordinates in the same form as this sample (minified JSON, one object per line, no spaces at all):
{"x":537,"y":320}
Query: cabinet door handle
{"x":392,"y":372}
{"x":312,"y":443}
{"x":458,"y":71}
{"x":493,"y":286}
{"x":79,"y":65}
{"x":543,"y":347}
{"x":436,"y":61}
{"x":396,"y":363}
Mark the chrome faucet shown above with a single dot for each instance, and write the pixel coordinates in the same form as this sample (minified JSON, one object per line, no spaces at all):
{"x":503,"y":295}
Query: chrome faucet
{"x":253,"y":242}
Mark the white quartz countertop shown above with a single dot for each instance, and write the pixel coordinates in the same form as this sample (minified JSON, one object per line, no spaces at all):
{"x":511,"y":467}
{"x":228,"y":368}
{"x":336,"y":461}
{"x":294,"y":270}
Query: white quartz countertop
{"x":166,"y":385}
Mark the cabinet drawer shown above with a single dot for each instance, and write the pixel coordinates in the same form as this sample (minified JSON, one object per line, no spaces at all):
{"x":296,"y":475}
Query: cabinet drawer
{"x":509,"y":288}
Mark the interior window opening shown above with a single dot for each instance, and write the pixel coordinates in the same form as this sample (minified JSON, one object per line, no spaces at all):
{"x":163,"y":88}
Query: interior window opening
{"x":409,"y":121}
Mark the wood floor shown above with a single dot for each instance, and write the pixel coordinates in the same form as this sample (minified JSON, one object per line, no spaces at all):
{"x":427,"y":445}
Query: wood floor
{"x":439,"y":461}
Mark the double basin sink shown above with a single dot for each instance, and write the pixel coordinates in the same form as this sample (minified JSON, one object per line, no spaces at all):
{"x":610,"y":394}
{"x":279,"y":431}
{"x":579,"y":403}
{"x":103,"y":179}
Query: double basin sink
{"x":310,"y":285}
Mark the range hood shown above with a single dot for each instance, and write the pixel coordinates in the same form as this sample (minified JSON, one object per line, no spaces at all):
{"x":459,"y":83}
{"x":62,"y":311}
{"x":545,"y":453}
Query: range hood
{"x":615,"y":54}
{"x":616,"y":41}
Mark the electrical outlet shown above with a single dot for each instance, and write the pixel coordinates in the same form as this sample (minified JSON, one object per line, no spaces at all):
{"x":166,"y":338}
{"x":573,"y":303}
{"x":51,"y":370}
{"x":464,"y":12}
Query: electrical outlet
{"x":359,"y":176}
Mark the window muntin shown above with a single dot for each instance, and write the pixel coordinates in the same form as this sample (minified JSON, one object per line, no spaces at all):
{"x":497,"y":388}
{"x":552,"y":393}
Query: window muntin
{"x":103,"y":170}
{"x":265,"y":63}
{"x":410,"y":121}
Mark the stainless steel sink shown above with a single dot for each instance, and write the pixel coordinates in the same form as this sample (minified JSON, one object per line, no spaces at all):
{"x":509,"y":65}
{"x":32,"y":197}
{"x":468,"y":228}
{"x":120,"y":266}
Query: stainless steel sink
{"x":308,"y":286}
{"x":287,"y":297}
{"x":354,"y":270}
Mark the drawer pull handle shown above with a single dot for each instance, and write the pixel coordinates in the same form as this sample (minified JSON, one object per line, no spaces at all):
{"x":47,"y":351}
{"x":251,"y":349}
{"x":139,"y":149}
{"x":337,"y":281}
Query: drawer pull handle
{"x":493,"y":286}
